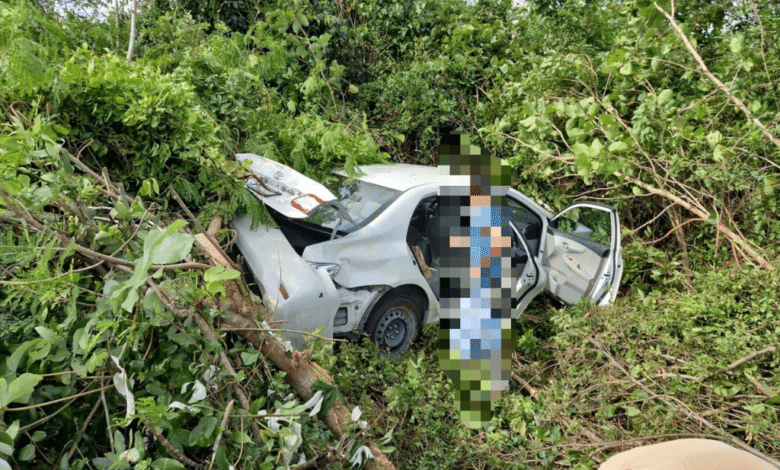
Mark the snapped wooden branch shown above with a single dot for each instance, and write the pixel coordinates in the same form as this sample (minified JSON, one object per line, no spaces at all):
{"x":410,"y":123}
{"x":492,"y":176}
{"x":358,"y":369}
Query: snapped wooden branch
{"x":302,"y":373}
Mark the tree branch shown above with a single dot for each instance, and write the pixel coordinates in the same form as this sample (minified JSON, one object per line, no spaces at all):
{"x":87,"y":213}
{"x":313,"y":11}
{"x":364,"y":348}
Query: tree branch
{"x":734,"y":99}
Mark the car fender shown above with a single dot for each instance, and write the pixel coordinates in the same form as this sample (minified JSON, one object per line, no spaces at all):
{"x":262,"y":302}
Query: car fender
{"x":377,"y":254}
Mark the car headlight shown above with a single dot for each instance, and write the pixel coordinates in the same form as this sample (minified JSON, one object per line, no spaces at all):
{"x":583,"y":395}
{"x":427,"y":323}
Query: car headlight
{"x":331,"y":268}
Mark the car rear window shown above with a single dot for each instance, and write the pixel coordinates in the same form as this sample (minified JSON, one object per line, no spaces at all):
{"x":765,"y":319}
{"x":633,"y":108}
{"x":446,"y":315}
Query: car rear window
{"x":363,"y":201}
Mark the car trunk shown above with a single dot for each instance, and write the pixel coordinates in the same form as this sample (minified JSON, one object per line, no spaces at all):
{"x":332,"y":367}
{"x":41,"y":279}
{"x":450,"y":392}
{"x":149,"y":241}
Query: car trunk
{"x":300,"y":233}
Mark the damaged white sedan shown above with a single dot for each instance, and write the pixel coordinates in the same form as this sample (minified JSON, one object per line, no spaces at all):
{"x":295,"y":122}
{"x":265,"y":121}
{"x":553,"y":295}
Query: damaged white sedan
{"x":367,"y":260}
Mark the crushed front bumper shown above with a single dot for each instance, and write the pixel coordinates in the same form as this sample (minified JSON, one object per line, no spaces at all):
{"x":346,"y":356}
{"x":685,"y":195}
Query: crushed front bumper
{"x":299,"y":298}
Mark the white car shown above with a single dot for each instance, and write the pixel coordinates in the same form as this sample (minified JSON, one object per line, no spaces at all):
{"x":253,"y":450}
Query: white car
{"x":367,"y":260}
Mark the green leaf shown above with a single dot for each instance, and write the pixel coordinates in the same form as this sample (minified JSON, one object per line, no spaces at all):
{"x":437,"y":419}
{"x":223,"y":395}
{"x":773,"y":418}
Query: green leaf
{"x":216,"y":276}
{"x":529,"y":123}
{"x":618,"y":147}
{"x":755,"y":409}
{"x":249,"y":357}
{"x":19,"y":390}
{"x":131,"y":285}
{"x":664,"y":96}
{"x":167,"y":464}
{"x":168,"y":247}
{"x":220,"y":273}
{"x":12,"y":362}
{"x":329,"y":395}
{"x":6,"y":444}
{"x":714,"y":138}
{"x":203,"y":431}
{"x":353,"y":89}
{"x":632,"y":411}
{"x":27,"y":453}
{"x":737,"y":43}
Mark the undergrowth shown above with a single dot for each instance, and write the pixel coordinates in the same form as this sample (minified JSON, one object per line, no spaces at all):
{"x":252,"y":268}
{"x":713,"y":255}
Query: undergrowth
{"x":592,"y":377}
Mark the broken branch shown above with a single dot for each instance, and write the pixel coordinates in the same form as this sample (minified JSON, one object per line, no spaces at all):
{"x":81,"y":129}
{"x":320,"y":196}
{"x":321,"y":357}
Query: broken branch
{"x":741,"y":361}
{"x":302,"y":373}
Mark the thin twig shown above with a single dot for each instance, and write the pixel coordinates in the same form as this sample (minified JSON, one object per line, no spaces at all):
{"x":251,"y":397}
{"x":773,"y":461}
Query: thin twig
{"x":108,"y":421}
{"x":83,"y":430}
{"x":59,"y":400}
{"x":68,"y":273}
{"x":741,"y":361}
{"x":524,"y":384}
{"x":761,"y":387}
{"x":222,"y":427}
{"x":46,"y":418}
{"x":173,"y":450}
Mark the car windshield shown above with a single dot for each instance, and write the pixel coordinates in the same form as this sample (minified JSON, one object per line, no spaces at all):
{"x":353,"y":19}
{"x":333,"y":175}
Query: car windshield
{"x":360,"y":200}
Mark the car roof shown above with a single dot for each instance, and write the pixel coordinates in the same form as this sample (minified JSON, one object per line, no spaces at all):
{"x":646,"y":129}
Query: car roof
{"x":404,"y":176}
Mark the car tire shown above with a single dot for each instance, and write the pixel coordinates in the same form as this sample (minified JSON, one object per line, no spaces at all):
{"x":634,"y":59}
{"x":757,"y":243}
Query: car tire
{"x":395,"y":322}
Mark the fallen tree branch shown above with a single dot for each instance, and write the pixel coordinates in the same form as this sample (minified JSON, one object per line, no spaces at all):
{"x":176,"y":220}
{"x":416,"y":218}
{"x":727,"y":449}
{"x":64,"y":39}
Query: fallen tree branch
{"x":89,"y":253}
{"x":205,"y":232}
{"x":730,"y":234}
{"x":208,"y":332}
{"x":302,"y":373}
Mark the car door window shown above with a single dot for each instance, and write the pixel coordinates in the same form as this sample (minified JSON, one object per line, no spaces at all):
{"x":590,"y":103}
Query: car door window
{"x":589,"y":226}
{"x":583,"y":253}
{"x":528,"y":224}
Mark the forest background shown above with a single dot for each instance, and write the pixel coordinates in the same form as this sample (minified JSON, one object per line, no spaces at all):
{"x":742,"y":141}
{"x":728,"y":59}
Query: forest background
{"x":114,"y":350}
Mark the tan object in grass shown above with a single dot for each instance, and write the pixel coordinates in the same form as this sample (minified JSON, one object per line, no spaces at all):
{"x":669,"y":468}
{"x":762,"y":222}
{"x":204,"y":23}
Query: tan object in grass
{"x":686,"y":454}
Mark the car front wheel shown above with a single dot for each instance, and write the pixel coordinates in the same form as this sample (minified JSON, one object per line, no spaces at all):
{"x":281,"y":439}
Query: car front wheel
{"x":395,"y":322}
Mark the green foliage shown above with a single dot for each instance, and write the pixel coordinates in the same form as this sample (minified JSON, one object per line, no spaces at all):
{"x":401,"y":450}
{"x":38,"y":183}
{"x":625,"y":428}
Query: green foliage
{"x":29,"y":45}
{"x":633,"y":104}
{"x":582,"y":98}
{"x":676,"y":337}
{"x":91,"y":329}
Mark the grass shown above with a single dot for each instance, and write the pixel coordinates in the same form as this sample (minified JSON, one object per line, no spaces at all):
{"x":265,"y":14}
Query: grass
{"x":597,"y":381}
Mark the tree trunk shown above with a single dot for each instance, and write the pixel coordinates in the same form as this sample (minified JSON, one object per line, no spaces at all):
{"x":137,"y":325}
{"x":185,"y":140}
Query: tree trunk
{"x":131,"y":46}
{"x":116,"y":21}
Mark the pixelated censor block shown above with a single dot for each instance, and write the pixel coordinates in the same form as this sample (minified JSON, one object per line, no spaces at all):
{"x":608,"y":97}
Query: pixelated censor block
{"x":475,"y":334}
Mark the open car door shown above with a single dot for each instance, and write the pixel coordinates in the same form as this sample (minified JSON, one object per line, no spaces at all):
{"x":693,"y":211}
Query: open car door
{"x":528,"y":283}
{"x":583,"y":254}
